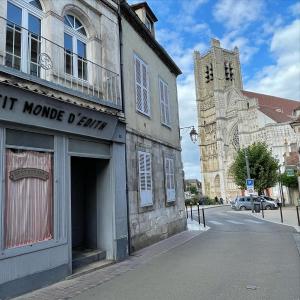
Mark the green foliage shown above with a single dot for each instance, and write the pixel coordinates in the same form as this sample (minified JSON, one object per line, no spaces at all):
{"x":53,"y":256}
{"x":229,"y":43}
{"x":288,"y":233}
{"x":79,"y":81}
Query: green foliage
{"x":263,"y":167}
{"x":289,"y":181}
{"x":193,"y":190}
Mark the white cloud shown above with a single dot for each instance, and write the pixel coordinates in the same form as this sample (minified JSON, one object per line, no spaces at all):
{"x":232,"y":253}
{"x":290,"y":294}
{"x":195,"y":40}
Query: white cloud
{"x":230,"y":40}
{"x":283,"y":77}
{"x":234,"y":14}
{"x":295,"y":9}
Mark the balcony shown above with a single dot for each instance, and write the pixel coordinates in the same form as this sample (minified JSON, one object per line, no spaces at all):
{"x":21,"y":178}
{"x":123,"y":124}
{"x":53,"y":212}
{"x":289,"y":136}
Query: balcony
{"x":38,"y":59}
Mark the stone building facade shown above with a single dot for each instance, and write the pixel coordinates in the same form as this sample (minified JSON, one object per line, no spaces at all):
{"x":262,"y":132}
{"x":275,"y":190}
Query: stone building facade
{"x":154,"y":167}
{"x":62,"y":140}
{"x":230,"y":118}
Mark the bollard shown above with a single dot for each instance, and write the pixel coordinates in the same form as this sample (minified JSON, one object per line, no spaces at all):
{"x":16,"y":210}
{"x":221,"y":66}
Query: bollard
{"x":280,"y":208}
{"x":187,"y":214}
{"x":203,"y":217}
{"x":297,"y":210}
{"x":262,"y":210}
{"x":198,"y":213}
{"x":191,"y":212}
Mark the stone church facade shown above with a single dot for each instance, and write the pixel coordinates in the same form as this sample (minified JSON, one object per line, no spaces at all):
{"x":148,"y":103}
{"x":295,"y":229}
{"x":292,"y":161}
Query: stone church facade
{"x":230,"y":118}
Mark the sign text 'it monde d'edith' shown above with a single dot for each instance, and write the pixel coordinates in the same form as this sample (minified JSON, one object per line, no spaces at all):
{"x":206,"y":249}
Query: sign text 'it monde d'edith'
{"x":52,"y":113}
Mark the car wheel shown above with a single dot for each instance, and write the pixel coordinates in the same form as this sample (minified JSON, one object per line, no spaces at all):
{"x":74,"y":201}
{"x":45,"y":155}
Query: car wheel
{"x":268,"y":207}
{"x":242,"y":208}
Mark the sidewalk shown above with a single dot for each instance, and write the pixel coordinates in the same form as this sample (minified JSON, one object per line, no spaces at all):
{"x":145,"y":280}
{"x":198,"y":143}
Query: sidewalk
{"x":70,"y":288}
{"x":289,"y":215}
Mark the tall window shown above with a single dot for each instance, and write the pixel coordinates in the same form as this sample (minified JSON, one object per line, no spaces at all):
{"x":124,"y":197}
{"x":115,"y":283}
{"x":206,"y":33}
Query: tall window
{"x":170,"y":179}
{"x":23,"y":40}
{"x":141,"y":86}
{"x":164,"y":102}
{"x":75,"y":48}
{"x":145,"y":178}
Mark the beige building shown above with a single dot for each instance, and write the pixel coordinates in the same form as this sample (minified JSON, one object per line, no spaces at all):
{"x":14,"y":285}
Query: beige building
{"x":154,"y":167}
{"x":230,"y":118}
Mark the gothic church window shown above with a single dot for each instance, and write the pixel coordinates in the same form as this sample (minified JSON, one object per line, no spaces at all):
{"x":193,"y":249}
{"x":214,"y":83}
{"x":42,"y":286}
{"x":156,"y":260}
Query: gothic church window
{"x":236,"y":139}
{"x":228,"y":67}
{"x":209,"y":75}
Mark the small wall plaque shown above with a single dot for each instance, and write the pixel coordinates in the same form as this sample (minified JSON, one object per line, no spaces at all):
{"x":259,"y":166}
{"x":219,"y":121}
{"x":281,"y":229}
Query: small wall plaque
{"x":22,"y":173}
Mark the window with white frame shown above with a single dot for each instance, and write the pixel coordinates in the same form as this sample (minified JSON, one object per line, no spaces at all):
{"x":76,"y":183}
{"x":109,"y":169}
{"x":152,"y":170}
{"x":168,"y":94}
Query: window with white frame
{"x":141,"y":86}
{"x":145,"y":178}
{"x":23,"y":36}
{"x":170,"y":179}
{"x":75,"y":39}
{"x":164,"y":103}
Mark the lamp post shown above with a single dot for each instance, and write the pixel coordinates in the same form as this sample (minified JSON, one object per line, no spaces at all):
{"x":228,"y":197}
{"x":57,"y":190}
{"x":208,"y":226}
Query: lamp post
{"x":193,"y":133}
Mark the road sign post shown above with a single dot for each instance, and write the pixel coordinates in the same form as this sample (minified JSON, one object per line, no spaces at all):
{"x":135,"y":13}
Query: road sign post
{"x":250,"y":189}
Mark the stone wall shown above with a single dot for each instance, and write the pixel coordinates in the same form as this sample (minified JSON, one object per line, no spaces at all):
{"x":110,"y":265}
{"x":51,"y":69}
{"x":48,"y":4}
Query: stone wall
{"x":160,"y":220}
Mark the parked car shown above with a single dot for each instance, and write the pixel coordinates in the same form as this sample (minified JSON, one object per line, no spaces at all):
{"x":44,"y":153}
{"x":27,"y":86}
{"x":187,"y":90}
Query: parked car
{"x":244,"y":203}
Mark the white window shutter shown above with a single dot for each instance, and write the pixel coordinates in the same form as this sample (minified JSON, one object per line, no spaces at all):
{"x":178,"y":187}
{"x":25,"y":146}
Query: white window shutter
{"x":145,"y":178}
{"x":146,"y":102}
{"x":142,"y":86}
{"x":138,"y":84}
{"x":164,"y":102}
{"x":167,"y":117}
{"x":170,"y":179}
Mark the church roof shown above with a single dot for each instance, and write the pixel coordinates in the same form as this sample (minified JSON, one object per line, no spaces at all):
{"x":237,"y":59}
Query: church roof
{"x":278,"y":109}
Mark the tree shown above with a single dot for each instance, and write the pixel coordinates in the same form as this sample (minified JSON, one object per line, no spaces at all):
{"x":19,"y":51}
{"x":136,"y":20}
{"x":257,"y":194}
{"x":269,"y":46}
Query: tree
{"x":193,"y":190}
{"x":289,"y":181}
{"x":263,"y":167}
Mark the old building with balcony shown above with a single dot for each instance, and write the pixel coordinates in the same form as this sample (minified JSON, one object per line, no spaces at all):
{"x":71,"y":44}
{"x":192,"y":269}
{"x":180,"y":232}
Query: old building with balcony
{"x":62,"y":140}
{"x":153,"y":152}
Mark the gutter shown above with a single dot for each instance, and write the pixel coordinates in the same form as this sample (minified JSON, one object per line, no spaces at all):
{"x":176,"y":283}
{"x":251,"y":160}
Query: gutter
{"x":123,"y":109}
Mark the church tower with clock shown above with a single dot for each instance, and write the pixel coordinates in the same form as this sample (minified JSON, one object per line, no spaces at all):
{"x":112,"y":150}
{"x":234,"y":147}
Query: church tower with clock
{"x":216,"y":73}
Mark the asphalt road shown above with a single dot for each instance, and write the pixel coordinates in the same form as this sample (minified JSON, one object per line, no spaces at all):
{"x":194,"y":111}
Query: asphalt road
{"x":239,"y":258}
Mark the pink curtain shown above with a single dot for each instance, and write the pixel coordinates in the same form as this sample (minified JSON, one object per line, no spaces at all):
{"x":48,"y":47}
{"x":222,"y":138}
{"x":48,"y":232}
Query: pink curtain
{"x":28,"y":203}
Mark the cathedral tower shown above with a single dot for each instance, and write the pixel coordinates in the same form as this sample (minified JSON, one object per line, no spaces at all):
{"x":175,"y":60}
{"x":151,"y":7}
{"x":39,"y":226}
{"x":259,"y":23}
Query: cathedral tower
{"x":216,"y":72}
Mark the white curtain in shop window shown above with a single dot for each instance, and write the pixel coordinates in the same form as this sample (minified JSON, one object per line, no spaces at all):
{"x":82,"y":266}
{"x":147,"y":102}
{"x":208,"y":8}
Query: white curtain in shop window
{"x":28,"y":203}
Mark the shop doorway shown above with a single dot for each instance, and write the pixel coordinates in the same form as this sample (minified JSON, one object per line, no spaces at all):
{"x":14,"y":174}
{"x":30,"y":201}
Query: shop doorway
{"x":87,"y":209}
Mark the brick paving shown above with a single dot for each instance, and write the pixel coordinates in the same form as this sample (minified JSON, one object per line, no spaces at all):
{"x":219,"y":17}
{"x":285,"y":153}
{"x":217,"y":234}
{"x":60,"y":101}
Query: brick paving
{"x":68,"y":289}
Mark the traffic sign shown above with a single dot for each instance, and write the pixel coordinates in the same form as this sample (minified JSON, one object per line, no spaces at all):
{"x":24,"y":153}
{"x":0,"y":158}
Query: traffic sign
{"x":250,"y":183}
{"x":290,"y":172}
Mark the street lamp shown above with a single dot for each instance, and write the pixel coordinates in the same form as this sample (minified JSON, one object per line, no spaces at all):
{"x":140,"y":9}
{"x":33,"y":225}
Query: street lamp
{"x":193,"y":133}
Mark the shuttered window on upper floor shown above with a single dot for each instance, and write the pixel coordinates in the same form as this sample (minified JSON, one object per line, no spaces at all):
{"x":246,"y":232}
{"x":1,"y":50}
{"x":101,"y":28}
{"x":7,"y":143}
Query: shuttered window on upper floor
{"x":145,"y":178}
{"x":164,"y":102}
{"x":142,"y":86}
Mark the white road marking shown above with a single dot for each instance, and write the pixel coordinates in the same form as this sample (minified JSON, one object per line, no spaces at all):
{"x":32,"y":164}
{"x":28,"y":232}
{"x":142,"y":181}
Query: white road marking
{"x":253,"y":221}
{"x":235,"y":222}
{"x":215,"y":222}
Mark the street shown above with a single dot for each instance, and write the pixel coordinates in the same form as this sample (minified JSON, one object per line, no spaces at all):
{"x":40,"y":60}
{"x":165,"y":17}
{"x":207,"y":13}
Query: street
{"x":240,"y":257}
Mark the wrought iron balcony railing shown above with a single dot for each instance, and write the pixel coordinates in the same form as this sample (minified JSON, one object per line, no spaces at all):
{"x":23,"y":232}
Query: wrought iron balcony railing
{"x":37,"y":56}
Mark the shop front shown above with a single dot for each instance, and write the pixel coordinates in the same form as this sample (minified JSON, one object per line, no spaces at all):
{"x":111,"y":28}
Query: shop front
{"x":62,"y":192}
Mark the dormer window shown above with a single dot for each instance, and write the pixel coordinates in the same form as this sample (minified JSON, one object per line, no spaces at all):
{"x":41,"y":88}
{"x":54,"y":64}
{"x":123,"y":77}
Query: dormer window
{"x":148,"y":23}
{"x":146,"y":15}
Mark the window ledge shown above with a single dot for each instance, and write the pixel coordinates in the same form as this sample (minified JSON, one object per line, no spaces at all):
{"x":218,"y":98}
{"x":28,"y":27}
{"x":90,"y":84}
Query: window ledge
{"x":12,"y":252}
{"x":168,"y":126}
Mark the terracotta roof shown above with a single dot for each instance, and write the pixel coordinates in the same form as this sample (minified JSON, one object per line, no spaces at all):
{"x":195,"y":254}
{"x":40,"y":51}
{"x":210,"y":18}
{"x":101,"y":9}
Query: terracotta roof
{"x":292,"y":159}
{"x":278,"y":109}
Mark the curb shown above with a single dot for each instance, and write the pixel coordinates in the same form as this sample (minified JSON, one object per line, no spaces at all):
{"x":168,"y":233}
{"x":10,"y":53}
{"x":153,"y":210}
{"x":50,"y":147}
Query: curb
{"x":297,"y":228}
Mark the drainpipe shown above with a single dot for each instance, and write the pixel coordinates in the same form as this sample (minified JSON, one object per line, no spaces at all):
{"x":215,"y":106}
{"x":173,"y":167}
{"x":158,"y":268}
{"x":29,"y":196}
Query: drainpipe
{"x":123,"y":109}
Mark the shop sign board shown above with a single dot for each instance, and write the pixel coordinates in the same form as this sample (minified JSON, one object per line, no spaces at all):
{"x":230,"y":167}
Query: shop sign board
{"x":24,"y":107}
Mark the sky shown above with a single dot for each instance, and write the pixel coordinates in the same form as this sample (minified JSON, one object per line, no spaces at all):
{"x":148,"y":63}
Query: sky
{"x":267,"y":33}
